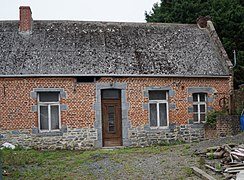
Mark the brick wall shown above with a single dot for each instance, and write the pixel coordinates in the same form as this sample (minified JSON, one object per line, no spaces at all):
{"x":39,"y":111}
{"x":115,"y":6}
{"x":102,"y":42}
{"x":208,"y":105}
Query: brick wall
{"x":180,"y":115}
{"x":25,"y":19}
{"x":16,"y":102}
{"x":238,"y":101}
{"x":228,"y":125}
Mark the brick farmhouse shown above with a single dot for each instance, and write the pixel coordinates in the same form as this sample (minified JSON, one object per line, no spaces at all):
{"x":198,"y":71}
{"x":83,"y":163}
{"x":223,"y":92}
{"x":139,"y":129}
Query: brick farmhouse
{"x":76,"y":84}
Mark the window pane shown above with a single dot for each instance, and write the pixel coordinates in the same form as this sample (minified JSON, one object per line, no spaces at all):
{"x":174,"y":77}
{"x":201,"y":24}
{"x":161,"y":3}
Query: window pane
{"x":111,"y":119}
{"x":202,"y":97}
{"x":54,"y":117}
{"x":49,"y":97}
{"x":195,"y":109}
{"x":163,"y":114}
{"x":202,"y":117}
{"x":111,"y":94}
{"x":153,"y":114}
{"x":195,"y":117}
{"x":195,"y":97}
{"x":157,"y":95}
{"x":44,"y":117}
{"x":202,"y":108}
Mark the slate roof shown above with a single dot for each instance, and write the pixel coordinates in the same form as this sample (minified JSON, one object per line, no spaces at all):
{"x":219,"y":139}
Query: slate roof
{"x":83,"y":48}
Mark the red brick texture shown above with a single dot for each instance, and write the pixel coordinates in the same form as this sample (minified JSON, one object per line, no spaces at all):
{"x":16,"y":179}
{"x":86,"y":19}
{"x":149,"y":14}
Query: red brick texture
{"x":16,"y":101}
{"x":25,"y":18}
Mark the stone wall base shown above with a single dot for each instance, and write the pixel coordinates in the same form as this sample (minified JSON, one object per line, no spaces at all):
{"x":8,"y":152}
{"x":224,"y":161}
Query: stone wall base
{"x":144,"y":137}
{"x":73,"y":138}
{"x":87,"y":138}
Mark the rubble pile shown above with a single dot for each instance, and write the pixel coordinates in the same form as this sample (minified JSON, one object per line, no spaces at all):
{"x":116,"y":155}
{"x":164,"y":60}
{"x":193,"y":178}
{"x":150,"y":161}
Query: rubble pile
{"x":226,"y":160}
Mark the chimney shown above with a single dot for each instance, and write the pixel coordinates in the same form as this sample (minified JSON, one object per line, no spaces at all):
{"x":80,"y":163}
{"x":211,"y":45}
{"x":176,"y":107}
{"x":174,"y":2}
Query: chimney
{"x":202,"y":21}
{"x":25,"y":16}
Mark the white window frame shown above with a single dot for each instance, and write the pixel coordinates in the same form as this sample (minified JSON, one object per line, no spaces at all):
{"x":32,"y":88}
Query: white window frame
{"x":199,"y":103}
{"x":48,"y":104}
{"x":158,"y":102}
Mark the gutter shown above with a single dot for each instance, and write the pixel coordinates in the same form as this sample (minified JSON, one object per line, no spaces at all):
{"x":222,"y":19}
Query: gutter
{"x":113,"y":75}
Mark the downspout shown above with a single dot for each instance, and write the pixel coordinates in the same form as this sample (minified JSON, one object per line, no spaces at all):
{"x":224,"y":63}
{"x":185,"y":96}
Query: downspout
{"x":234,"y":52}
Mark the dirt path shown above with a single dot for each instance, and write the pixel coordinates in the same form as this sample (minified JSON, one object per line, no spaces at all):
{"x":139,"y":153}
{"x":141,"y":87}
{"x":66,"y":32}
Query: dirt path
{"x":172,"y":162}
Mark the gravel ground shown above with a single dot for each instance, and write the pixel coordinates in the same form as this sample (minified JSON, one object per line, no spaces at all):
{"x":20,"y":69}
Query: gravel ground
{"x":173,"y":162}
{"x":201,"y":146}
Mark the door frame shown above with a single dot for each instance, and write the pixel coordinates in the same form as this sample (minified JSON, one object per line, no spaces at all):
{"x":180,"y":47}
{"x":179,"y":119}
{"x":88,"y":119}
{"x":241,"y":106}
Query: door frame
{"x":117,"y":136}
{"x":124,"y":112}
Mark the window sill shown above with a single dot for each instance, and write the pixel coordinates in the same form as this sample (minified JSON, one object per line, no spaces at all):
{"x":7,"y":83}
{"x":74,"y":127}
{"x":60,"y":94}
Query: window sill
{"x":48,"y":133}
{"x":198,"y":125}
{"x":159,"y":129}
{"x":201,"y":122}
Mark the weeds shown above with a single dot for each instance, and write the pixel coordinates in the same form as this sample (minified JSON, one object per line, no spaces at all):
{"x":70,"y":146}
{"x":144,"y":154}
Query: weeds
{"x":202,"y":162}
{"x":188,"y":171}
{"x":33,"y":164}
{"x":167,"y":143}
{"x":211,"y":155}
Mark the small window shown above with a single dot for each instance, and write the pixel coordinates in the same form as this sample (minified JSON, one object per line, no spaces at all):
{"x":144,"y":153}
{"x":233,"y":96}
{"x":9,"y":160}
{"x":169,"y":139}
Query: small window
{"x":85,"y":79}
{"x":110,"y":94}
{"x":158,"y":108}
{"x":48,"y":97}
{"x":49,"y":111}
{"x":199,"y":107}
{"x":157,"y":95}
{"x":111,"y":119}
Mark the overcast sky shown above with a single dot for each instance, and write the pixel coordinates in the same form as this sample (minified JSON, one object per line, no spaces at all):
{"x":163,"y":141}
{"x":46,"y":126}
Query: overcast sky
{"x":87,"y":10}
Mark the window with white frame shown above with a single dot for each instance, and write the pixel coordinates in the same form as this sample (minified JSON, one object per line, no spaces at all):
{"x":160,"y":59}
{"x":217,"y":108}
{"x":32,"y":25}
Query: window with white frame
{"x":49,"y":111}
{"x":199,"y":107}
{"x":158,"y":108}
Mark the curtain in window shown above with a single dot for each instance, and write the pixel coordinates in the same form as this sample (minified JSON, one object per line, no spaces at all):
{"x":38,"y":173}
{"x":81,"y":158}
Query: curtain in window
{"x":44,"y":117}
{"x":153,"y":114}
{"x":163,"y":114}
{"x":54,"y":117}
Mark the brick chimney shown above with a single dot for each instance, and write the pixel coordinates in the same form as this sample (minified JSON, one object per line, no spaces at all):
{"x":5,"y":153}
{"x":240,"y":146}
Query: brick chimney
{"x":25,"y":16}
{"x":202,"y":21}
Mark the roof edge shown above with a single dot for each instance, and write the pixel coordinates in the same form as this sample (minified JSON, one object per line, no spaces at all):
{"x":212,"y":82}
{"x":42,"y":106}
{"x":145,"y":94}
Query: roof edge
{"x":112,"y":75}
{"x":220,"y":46}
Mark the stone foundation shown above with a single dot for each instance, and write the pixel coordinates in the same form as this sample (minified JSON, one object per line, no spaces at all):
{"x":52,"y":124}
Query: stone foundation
{"x":78,"y":138}
{"x":73,"y":138}
{"x":145,"y":137}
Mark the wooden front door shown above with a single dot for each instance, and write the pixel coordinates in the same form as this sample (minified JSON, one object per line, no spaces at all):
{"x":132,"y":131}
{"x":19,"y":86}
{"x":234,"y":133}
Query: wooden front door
{"x":111,"y":118}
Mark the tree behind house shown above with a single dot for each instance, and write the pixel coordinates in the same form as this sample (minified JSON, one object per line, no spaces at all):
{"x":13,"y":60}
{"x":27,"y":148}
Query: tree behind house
{"x":227,"y":16}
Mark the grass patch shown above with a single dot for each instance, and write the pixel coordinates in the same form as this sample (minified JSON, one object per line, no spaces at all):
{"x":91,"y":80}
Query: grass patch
{"x":188,"y":171}
{"x":34,"y":164}
{"x":167,"y":143}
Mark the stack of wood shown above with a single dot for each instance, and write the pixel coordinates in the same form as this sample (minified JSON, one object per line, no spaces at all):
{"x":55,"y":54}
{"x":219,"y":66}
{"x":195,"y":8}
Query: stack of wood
{"x":231,"y":160}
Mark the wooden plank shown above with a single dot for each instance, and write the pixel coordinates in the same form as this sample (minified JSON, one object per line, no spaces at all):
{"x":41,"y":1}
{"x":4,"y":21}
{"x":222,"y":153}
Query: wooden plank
{"x":216,"y":155}
{"x":234,"y":169}
{"x":235,"y":164}
{"x":200,"y":173}
{"x":214,"y":148}
{"x":212,"y":168}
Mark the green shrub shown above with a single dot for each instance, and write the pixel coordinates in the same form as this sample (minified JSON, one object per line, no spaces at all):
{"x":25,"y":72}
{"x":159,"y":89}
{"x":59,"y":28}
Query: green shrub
{"x":240,"y":109}
{"x":212,"y":116}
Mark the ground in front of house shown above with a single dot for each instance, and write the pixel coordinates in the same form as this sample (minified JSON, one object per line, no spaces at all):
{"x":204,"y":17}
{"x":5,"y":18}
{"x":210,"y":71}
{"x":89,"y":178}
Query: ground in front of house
{"x":156,"y":162}
{"x":159,"y":162}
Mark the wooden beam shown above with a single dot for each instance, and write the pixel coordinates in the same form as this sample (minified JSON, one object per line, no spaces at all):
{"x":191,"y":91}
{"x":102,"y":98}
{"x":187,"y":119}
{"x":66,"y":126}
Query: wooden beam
{"x":212,"y":168}
{"x":200,"y":173}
